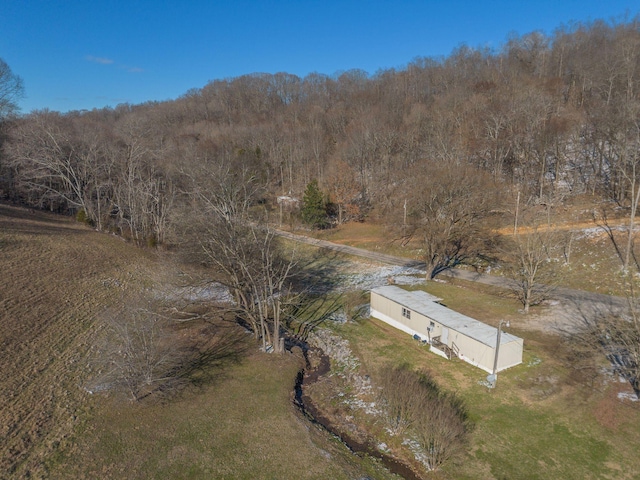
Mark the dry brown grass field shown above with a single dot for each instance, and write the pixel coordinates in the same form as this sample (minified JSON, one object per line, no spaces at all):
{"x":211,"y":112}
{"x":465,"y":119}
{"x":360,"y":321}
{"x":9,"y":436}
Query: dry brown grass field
{"x":56,"y":276}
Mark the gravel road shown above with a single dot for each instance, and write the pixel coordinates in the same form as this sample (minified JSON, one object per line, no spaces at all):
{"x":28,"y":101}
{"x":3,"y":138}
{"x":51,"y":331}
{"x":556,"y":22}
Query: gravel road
{"x":565,"y":310}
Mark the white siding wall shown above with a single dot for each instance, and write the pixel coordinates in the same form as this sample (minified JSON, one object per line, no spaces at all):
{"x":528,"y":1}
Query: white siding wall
{"x":470,"y":350}
{"x":390,"y":311}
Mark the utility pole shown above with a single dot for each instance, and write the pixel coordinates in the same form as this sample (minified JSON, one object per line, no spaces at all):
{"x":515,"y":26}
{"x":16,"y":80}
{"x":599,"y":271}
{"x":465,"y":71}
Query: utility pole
{"x":404,"y":220}
{"x":515,"y":223}
{"x":494,"y":376}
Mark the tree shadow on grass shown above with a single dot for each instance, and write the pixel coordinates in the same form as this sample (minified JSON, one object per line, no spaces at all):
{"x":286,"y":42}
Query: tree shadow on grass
{"x":214,"y":347}
{"x":319,"y":273}
{"x":146,"y":354}
{"x":597,"y":331}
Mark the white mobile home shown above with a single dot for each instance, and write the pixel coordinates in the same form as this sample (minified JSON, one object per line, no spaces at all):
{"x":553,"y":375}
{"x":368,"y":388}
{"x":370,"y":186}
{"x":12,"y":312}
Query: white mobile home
{"x":418,"y":314}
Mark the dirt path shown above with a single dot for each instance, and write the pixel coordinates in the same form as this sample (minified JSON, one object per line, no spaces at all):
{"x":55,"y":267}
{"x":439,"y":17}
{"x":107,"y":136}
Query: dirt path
{"x":555,"y":226}
{"x":568,"y":306}
{"x":358,"y":252}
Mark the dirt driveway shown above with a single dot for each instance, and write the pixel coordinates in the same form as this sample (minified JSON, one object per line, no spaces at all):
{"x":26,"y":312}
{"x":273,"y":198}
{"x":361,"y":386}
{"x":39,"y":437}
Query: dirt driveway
{"x":565,"y":310}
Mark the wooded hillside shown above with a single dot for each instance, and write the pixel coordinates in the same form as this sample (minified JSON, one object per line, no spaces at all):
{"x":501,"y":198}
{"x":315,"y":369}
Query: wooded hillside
{"x":550,"y":117}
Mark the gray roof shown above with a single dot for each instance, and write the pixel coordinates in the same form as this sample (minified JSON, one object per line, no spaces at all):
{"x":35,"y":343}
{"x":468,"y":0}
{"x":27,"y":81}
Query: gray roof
{"x":425,"y":304}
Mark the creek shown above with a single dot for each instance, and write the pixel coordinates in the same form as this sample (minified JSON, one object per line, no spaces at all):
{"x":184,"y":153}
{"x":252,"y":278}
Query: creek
{"x":308,"y":408}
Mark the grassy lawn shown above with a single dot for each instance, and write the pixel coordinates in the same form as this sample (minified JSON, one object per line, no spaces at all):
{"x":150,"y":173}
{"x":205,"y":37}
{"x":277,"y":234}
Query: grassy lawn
{"x":243,"y":426}
{"x":537,"y":422}
{"x":483,"y":302}
{"x":594,"y":266}
{"x":592,"y":261}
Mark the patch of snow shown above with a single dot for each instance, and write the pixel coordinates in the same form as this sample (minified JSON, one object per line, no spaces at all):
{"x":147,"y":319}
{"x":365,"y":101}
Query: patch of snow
{"x":370,"y":408}
{"x":485,"y":383}
{"x":337,"y":349}
{"x":594,"y":232}
{"x":408,"y":280}
{"x":632,"y":397}
{"x":380,"y":276}
{"x":215,"y":292}
{"x":417,"y":451}
{"x":362,"y":311}
{"x":338,"y":317}
{"x":101,"y":387}
{"x":533,"y":362}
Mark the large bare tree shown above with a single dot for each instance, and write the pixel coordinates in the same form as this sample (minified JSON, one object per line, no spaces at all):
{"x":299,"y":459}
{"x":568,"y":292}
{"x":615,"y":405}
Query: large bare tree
{"x":55,"y":166}
{"x":230,"y":235}
{"x":448,"y":209}
{"x":532,"y":263}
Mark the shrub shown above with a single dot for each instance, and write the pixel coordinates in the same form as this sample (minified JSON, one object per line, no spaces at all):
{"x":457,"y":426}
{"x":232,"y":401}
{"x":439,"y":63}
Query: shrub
{"x":314,"y":209}
{"x":82,"y":217}
{"x":436,"y":421}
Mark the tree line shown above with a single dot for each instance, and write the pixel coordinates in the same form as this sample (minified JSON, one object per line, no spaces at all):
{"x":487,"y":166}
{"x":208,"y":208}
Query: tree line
{"x":438,"y":150}
{"x":551,"y":116}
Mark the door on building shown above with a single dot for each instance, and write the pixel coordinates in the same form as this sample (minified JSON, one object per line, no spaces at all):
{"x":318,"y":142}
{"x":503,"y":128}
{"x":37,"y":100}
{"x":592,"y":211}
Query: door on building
{"x":444,"y":336}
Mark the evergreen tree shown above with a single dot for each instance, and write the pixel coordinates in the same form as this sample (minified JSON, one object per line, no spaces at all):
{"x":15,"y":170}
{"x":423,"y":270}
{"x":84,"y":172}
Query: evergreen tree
{"x":314,"y":212}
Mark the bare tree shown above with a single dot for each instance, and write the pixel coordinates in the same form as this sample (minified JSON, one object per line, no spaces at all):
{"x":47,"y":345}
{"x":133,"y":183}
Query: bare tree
{"x":11,"y":90}
{"x":249,"y":259}
{"x":608,"y":225}
{"x":144,"y":193}
{"x":631,"y":176}
{"x":401,"y":398}
{"x":143,"y":351}
{"x":138,"y":354}
{"x":443,"y":430}
{"x":448,"y":214}
{"x":52,"y":164}
{"x":344,"y":191}
{"x":531,"y":265}
{"x":245,"y":253}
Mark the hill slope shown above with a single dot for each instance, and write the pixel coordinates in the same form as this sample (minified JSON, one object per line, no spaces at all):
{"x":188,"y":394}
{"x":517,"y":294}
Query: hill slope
{"x":58,"y":276}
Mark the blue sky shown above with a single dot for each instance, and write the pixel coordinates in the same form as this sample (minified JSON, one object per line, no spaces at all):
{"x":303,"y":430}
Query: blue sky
{"x":88,"y":54}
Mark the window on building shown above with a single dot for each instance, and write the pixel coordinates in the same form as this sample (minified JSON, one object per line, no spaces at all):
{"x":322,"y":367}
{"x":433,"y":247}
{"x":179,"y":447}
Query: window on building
{"x":406,"y":313}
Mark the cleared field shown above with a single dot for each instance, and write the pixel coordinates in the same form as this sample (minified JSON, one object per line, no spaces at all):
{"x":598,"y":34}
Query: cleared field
{"x":57,"y":277}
